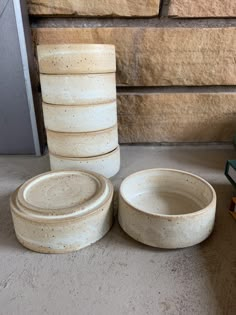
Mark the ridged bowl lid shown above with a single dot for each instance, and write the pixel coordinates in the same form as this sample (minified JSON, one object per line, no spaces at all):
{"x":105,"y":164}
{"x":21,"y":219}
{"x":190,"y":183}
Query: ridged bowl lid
{"x":62,"y":194}
{"x":76,"y":58}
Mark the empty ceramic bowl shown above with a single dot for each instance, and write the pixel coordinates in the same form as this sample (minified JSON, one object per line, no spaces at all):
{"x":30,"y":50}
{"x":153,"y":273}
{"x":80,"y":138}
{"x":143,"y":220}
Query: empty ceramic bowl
{"x":80,"y":118}
{"x":77,"y":89}
{"x":58,"y":212}
{"x":82,"y":144}
{"x":76,"y":58}
{"x":167,"y":208}
{"x":107,"y":164}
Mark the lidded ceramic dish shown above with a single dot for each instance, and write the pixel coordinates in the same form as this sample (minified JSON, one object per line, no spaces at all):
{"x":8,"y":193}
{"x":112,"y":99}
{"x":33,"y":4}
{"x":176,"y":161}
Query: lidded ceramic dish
{"x":77,"y":74}
{"x":106,"y":164}
{"x":63,"y":211}
{"x":167,"y":208}
{"x":83,"y":144}
{"x":76,"y":58}
{"x":80,"y":118}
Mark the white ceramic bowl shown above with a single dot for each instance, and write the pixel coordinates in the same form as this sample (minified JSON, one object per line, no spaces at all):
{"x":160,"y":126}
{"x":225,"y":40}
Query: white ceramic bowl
{"x":76,"y":58}
{"x":107,"y":164}
{"x":167,"y":208}
{"x":59,"y":212}
{"x":83,"y":144}
{"x":80,"y":118}
{"x":77,"y":89}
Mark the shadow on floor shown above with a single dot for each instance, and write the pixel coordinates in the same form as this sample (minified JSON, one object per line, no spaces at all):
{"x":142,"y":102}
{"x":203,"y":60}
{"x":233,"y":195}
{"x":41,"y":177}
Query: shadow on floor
{"x":204,"y":159}
{"x":8,"y":239}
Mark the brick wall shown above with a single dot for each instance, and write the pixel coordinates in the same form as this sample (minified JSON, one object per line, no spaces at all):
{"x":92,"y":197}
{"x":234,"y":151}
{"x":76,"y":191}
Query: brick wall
{"x":176,"y":64}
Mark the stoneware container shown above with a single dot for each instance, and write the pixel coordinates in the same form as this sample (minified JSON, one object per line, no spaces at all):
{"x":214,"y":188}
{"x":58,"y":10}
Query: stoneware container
{"x":59,"y":212}
{"x":77,"y":89}
{"x":82,"y":144}
{"x":107,"y":164}
{"x":80,"y":118}
{"x":167,"y":208}
{"x":76,"y":58}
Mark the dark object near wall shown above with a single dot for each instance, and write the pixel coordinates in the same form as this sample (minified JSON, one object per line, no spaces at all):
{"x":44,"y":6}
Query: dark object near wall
{"x":18,"y":127}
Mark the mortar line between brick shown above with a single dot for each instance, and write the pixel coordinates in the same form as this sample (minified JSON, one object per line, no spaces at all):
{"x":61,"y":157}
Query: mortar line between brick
{"x":226,"y":144}
{"x":61,"y":22}
{"x":164,"y":8}
{"x":176,"y":89}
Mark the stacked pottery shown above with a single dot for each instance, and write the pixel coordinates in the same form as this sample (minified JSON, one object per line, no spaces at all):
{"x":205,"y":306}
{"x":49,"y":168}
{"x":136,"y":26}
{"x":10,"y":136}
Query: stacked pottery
{"x":79,"y":105}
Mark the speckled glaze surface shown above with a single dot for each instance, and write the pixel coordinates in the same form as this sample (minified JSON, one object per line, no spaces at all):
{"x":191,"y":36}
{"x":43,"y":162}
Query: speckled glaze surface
{"x":58,"y":212}
{"x":167,"y":208}
{"x":107,"y":165}
{"x":78,"y":89}
{"x":80,"y":118}
{"x":83,"y":144}
{"x":76,"y":58}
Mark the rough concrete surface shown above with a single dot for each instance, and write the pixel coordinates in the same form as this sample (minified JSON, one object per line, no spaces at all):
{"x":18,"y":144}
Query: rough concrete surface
{"x":163,"y":56}
{"x":176,"y":117}
{"x":127,"y":8}
{"x":202,"y":8}
{"x":118,"y":275}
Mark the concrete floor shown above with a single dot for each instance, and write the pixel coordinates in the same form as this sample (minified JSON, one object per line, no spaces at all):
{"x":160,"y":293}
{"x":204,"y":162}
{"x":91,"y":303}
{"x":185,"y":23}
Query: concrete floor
{"x":118,"y":275}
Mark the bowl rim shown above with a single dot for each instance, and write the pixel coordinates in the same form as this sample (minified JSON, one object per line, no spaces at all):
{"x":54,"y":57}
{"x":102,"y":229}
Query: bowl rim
{"x":168,"y":216}
{"x":92,"y":158}
{"x":77,"y":45}
{"x":76,"y":75}
{"x":34,"y":213}
{"x":114,"y":128}
{"x":112,"y":102}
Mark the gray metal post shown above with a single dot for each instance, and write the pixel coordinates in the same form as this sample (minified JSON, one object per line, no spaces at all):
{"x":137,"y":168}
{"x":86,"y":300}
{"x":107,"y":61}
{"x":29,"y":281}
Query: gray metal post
{"x":18,"y":128}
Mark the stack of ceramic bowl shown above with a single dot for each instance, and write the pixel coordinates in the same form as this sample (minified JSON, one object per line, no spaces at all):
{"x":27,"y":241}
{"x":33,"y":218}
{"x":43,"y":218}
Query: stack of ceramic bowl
{"x":79,"y":104}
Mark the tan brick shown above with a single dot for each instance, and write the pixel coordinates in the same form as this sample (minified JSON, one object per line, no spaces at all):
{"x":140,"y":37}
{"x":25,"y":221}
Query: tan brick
{"x":160,"y":56}
{"x":94,"y":7}
{"x":168,"y":117}
{"x":202,"y":8}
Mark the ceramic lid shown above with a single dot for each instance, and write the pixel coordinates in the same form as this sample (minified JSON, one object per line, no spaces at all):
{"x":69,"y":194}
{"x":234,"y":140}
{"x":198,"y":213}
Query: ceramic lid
{"x":76,"y":58}
{"x":63,"y":194}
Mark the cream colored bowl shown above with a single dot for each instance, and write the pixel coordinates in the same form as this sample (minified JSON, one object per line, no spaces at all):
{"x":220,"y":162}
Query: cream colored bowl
{"x":76,"y":58}
{"x":80,"y":118}
{"x":107,"y":165}
{"x":82,"y":144}
{"x":78,"y":89}
{"x":167,"y":208}
{"x":59,"y":212}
